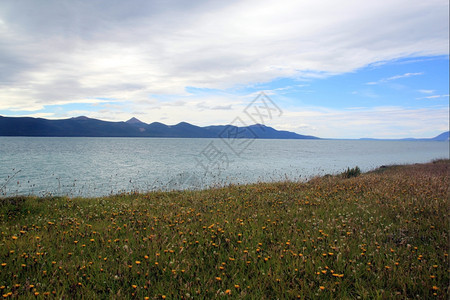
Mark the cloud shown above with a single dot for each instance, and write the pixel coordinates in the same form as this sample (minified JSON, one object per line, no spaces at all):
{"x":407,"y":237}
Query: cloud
{"x":434,"y":97}
{"x":426,"y":91}
{"x":394,"y":78}
{"x":375,"y":122}
{"x":403,"y":76}
{"x":70,"y":51}
{"x":37,"y":115}
{"x":204,"y":106}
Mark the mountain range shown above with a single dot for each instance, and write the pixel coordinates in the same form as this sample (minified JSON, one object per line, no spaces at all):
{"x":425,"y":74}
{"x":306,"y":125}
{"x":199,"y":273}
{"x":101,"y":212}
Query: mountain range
{"x":88,"y":127}
{"x":445,"y":136}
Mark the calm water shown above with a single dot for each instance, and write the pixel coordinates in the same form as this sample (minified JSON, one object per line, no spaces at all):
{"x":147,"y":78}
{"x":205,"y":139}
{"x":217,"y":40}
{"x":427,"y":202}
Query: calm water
{"x":103,"y":166}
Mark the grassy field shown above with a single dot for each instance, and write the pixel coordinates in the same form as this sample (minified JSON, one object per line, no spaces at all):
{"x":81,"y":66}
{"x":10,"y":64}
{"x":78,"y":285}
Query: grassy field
{"x":382,"y":234}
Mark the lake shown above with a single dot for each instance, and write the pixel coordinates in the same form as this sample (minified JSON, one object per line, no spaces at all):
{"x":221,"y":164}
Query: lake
{"x":103,"y":166}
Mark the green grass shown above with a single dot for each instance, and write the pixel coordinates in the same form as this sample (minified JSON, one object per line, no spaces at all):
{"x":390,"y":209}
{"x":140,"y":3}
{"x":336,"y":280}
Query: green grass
{"x":353,"y":172}
{"x":383,"y":234}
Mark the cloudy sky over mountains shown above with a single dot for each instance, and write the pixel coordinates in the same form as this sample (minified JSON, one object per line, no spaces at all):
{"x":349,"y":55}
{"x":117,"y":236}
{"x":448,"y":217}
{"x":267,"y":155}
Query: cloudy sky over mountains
{"x":341,"y":69}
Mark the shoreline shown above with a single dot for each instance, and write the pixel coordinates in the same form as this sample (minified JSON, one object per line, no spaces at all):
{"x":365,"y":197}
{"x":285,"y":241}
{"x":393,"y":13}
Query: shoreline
{"x":226,"y":185}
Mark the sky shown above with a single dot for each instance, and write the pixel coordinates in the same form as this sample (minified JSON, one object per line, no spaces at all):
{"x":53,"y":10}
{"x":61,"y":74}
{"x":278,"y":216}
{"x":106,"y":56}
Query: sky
{"x":334,"y":69}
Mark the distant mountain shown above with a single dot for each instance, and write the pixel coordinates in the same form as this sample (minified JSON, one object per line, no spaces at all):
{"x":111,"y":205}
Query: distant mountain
{"x":87,"y":127}
{"x":261,"y":131}
{"x":442,"y":137}
{"x":445,"y":136}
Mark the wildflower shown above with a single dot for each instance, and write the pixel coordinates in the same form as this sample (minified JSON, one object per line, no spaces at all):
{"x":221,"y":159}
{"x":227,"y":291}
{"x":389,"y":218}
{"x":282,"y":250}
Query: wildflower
{"x":321,"y":287}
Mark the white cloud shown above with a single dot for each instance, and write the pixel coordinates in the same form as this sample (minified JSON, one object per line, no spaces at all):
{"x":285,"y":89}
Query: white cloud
{"x":434,"y":97}
{"x":395,"y":77}
{"x":404,"y":76}
{"x":35,"y":115}
{"x":376,"y":122}
{"x":142,"y":56}
{"x":65,"y":51}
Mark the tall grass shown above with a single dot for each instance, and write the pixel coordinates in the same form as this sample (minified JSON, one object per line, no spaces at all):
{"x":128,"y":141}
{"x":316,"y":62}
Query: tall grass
{"x":353,"y":172}
{"x":383,"y":234}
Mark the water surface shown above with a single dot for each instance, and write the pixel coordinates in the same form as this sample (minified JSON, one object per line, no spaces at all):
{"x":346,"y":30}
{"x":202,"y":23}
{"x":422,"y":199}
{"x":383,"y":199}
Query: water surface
{"x":103,"y":166}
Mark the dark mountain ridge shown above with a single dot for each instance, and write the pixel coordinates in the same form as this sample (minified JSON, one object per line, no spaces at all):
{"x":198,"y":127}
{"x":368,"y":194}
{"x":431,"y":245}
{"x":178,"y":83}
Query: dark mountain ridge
{"x":86,"y":127}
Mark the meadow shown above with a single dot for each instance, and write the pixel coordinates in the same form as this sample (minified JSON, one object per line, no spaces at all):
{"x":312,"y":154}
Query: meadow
{"x":377,"y":235}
